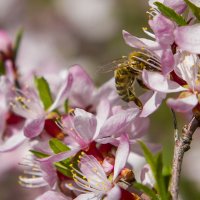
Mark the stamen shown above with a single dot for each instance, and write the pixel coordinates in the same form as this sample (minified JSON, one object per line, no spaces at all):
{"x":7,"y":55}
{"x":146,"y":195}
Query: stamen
{"x":32,"y":177}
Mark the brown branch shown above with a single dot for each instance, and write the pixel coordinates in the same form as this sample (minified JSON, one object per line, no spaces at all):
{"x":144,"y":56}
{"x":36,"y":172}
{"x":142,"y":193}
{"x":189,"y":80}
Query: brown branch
{"x":182,"y":145}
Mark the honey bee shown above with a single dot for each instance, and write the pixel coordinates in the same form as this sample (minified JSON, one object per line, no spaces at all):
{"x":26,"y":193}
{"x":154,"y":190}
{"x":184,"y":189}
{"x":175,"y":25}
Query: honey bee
{"x":128,"y":70}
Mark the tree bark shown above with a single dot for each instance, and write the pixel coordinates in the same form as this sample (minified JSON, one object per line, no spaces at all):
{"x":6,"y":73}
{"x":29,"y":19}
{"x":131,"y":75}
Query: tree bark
{"x":182,"y":145}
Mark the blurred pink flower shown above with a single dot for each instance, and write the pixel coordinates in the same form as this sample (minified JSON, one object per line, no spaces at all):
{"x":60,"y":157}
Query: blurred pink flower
{"x":28,"y":105}
{"x":5,"y":42}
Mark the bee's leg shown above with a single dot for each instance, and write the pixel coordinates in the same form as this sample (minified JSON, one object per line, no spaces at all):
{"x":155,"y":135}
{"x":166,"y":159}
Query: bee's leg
{"x":136,"y":100}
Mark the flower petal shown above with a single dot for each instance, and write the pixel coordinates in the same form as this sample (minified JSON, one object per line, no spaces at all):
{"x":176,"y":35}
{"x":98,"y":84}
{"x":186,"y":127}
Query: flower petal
{"x":132,"y":40}
{"x":117,"y":124}
{"x":3,"y":111}
{"x":146,"y":176}
{"x":51,"y":195}
{"x":178,"y":5}
{"x":48,"y":169}
{"x":183,"y":104}
{"x":82,"y":87}
{"x":103,"y":112}
{"x":114,"y":193}
{"x":63,"y":93}
{"x":135,"y":147}
{"x":160,"y":83}
{"x":34,"y":127}
{"x":14,"y":141}
{"x":139,"y":43}
{"x":85,"y":124}
{"x":163,"y":29}
{"x":121,"y":155}
{"x":5,"y":42}
{"x":86,"y":196}
{"x":195,"y":2}
{"x":152,"y":101}
{"x":167,"y":61}
{"x":94,"y":172}
{"x":139,"y":127}
{"x":187,"y":38}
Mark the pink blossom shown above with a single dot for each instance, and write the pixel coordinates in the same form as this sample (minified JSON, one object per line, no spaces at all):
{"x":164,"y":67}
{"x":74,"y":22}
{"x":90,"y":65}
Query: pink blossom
{"x":95,"y":185}
{"x":84,"y":128}
{"x":27,"y":104}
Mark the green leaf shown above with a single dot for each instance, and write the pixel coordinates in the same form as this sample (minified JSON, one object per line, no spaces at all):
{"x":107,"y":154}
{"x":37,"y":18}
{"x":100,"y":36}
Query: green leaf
{"x":66,"y":106}
{"x":161,"y":186}
{"x":44,"y":91}
{"x":57,"y":146}
{"x":156,"y":165}
{"x":171,"y":14}
{"x":39,"y":154}
{"x":146,"y":190}
{"x":149,"y":157}
{"x":2,"y":68}
{"x":194,"y":8}
{"x":166,"y":172}
{"x":17,"y":43}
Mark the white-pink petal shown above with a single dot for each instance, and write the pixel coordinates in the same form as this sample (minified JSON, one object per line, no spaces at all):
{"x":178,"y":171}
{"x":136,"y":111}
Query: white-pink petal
{"x":94,"y":172}
{"x":132,"y":40}
{"x":85,"y":124}
{"x":167,"y":61}
{"x":13,"y":141}
{"x":163,"y":29}
{"x":121,"y":155}
{"x":187,"y":38}
{"x":146,"y":176}
{"x":183,"y":104}
{"x":152,"y":101}
{"x":48,"y":169}
{"x":114,"y":193}
{"x":34,"y":127}
{"x":117,"y":124}
{"x":51,"y":195}
{"x":63,"y":93}
{"x":195,"y":2}
{"x":88,"y":195}
{"x":160,"y":83}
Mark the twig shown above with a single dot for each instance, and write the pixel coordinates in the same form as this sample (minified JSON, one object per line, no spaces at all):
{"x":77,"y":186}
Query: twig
{"x":176,"y":135}
{"x":182,"y":145}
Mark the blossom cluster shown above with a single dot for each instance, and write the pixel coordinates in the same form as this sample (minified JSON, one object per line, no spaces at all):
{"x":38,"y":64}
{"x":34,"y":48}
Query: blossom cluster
{"x":79,"y":136}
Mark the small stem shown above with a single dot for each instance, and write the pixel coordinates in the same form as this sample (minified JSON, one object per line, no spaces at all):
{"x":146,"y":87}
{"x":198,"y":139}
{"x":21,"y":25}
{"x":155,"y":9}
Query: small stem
{"x":176,"y":135}
{"x":182,"y":145}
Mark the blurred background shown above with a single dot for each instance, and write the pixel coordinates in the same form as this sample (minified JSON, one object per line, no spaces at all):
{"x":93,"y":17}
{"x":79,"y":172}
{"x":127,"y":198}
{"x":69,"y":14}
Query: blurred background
{"x":60,"y":33}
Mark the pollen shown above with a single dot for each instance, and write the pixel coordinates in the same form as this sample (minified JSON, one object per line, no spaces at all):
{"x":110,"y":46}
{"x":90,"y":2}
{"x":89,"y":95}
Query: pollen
{"x":144,"y":28}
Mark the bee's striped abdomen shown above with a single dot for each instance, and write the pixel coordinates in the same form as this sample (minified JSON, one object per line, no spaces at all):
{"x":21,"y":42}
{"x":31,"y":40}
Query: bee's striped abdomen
{"x":124,"y":81}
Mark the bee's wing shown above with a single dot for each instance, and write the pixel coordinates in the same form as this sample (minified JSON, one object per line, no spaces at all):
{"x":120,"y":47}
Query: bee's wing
{"x":109,"y":67}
